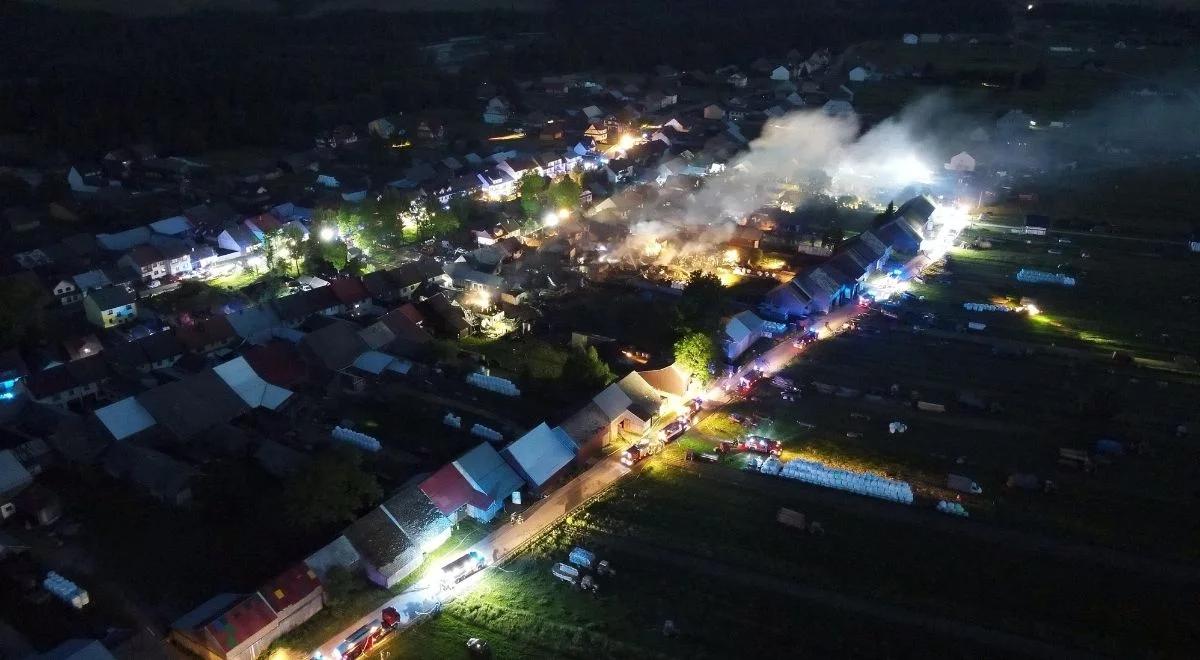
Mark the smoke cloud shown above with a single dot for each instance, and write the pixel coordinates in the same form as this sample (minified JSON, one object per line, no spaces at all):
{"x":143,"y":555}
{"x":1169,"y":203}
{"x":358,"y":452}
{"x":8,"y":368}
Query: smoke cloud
{"x":813,"y":153}
{"x":808,"y":151}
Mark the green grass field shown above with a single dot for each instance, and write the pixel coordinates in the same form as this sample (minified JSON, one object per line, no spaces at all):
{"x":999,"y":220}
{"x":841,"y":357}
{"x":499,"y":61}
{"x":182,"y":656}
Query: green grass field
{"x":710,"y":557}
{"x":1130,"y":296}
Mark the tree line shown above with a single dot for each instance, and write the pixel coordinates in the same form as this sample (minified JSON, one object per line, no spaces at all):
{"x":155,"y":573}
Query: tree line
{"x":87,"y":82}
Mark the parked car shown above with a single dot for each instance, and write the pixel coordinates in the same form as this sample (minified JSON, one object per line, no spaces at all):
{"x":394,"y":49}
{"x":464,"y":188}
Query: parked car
{"x":675,"y":429}
{"x":478,"y":648}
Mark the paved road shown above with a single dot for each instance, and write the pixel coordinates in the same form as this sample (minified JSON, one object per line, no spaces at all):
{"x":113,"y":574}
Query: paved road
{"x":501,"y":543}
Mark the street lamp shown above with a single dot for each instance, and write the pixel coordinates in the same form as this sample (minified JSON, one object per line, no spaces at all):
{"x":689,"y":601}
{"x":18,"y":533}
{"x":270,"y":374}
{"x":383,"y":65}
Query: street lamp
{"x":327,"y":234}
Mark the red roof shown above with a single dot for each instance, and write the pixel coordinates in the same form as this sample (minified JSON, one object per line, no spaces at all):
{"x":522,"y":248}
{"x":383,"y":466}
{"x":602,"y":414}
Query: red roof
{"x":266,"y":222}
{"x":410,"y":312}
{"x":278,"y":363}
{"x":241,"y":622}
{"x":406,"y":322}
{"x":449,"y":491}
{"x":205,"y":333}
{"x":349,"y":290}
{"x":290,"y":587}
{"x":49,"y":382}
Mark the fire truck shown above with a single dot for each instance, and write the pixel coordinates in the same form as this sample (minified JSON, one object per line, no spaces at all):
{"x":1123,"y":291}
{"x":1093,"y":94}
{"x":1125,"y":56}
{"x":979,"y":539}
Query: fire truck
{"x":640,"y":450}
{"x":462,"y":568}
{"x":360,"y":641}
{"x":761,"y":445}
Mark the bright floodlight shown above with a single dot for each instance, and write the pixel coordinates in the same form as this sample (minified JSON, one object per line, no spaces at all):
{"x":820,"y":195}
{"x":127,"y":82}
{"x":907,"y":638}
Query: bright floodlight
{"x":327,"y":233}
{"x":626,"y":142}
{"x":550,"y":219}
{"x":563,"y":214}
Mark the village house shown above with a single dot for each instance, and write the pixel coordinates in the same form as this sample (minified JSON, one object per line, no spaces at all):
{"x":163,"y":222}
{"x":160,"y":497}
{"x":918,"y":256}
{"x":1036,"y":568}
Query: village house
{"x":124,"y":240}
{"x":147,"y":261}
{"x":110,"y":306}
{"x":741,"y":331}
{"x":543,"y":457}
{"x":476,"y":485}
{"x":207,"y":336}
{"x":157,"y":351}
{"x":353,"y":298}
{"x":178,"y":255}
{"x":418,"y":518}
{"x":497,"y":111}
{"x":74,"y":381}
{"x":237,"y":238}
{"x":66,"y":291}
{"x":334,"y":346}
{"x":86,"y":178}
{"x":838,"y":108}
{"x":163,"y":477}
{"x":386,"y":553}
{"x":242,"y":627}
{"x":961,"y":162}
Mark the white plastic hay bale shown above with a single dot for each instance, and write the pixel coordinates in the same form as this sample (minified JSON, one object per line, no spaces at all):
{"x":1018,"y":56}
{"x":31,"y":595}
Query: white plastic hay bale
{"x":351,"y":437}
{"x":487,"y":433}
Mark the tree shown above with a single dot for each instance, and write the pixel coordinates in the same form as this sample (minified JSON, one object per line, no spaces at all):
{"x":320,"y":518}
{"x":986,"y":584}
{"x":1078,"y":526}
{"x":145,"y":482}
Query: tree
{"x":463,"y":210}
{"x":329,"y":491}
{"x":436,"y":222}
{"x":543,"y":361}
{"x":531,"y":188}
{"x":272,"y":241}
{"x":881,"y":219}
{"x":586,"y":371}
{"x":701,"y":302}
{"x":270,"y":288}
{"x":334,"y":252}
{"x":696,"y":353}
{"x":833,"y":237}
{"x":21,"y":313}
{"x":564,"y":194}
{"x":291,"y":240}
